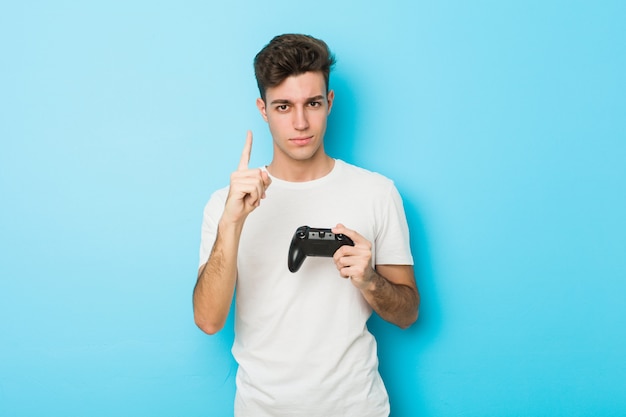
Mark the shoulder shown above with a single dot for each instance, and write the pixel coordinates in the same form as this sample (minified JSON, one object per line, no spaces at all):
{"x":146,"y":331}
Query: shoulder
{"x":363,"y":176}
{"x":217,"y":200}
{"x":220,"y":194}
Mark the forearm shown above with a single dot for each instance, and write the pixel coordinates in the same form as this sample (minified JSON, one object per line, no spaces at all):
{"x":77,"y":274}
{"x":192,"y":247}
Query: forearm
{"x":395,"y":303}
{"x":213,"y":293}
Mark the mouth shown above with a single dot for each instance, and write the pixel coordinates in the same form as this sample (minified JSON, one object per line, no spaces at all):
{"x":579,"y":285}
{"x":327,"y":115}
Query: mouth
{"x":301,"y":141}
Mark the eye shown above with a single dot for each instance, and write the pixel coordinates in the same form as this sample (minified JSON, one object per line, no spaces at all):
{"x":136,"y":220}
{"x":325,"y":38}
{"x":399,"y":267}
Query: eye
{"x":315,"y":104}
{"x":282,"y":108}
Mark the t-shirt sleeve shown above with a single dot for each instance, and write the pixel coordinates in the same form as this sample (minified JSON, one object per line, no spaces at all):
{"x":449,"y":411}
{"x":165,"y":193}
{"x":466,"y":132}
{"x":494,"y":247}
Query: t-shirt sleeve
{"x":212,"y":213}
{"x":393,"y":245}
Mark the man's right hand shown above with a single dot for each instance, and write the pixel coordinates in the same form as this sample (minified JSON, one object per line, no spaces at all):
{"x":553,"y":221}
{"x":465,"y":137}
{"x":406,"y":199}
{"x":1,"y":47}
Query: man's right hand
{"x":247,"y":187}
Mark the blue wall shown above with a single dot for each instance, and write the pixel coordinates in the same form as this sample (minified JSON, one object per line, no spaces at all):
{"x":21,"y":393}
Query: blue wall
{"x":501,"y":122}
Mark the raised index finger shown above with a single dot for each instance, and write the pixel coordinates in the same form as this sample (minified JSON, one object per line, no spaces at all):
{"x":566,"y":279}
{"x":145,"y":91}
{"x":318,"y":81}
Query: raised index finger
{"x":245,"y":155}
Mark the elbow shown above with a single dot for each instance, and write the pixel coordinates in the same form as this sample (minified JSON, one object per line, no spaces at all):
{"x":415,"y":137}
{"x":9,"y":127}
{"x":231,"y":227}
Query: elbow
{"x":409,"y":321}
{"x":207,"y":326}
{"x":411,"y":318}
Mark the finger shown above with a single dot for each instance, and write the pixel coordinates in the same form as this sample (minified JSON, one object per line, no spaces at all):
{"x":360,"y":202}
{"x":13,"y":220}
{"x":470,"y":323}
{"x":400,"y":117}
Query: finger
{"x":345,"y":271}
{"x":256,"y":178}
{"x":341,"y":229}
{"x":260,"y":187}
{"x":266,"y":181}
{"x":251,"y":195}
{"x":248,"y":187}
{"x":245,"y":155}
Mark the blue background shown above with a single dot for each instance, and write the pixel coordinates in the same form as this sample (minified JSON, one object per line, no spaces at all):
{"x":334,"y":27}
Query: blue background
{"x":502,"y":124}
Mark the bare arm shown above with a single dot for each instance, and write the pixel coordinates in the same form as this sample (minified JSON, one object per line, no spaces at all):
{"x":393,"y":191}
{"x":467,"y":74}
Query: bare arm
{"x":213,"y":293}
{"x":393,"y":294}
{"x":389,"y":289}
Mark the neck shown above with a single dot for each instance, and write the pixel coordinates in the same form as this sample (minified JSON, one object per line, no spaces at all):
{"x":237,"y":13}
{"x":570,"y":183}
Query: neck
{"x":302,"y":171}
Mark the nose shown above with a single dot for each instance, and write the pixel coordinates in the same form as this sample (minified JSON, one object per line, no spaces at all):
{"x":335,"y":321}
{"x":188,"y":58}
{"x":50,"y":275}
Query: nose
{"x":300,"y":121}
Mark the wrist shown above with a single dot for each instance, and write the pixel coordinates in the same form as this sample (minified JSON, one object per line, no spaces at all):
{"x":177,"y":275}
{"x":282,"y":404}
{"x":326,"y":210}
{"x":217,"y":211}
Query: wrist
{"x":230,"y":226}
{"x":371,"y":281}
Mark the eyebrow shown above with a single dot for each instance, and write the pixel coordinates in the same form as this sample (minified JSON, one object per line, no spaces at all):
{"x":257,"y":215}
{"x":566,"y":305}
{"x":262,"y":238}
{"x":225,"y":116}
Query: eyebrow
{"x":308,"y":100}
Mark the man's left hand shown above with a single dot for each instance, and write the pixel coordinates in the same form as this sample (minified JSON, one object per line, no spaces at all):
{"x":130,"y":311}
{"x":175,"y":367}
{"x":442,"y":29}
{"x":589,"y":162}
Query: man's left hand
{"x":354,"y":262}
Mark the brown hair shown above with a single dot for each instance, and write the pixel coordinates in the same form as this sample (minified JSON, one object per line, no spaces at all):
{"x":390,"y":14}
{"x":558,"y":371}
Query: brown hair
{"x":291,"y":54}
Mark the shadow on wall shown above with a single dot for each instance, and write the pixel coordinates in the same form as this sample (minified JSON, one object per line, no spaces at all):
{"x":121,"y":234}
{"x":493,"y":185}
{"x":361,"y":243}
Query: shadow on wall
{"x":399,"y":350}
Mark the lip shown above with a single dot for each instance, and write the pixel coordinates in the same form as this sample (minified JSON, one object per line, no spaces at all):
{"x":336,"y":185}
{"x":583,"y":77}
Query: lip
{"x":301,"y":141}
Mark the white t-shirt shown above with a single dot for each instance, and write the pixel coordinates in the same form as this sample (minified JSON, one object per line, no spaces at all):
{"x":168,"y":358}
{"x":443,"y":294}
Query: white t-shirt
{"x":301,"y":339}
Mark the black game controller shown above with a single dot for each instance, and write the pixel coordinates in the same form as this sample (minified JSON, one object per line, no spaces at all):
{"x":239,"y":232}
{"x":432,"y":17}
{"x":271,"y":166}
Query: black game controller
{"x":309,"y":241}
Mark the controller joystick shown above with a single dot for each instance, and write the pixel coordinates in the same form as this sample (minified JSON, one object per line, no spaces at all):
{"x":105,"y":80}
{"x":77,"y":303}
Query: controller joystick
{"x":309,"y":241}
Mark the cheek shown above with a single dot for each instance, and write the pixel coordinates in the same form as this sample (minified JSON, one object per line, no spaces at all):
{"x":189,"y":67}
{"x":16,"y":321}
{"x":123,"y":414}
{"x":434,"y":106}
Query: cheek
{"x":275,"y":126}
{"x":320,"y":123}
{"x":320,"y":117}
{"x":279,"y":124}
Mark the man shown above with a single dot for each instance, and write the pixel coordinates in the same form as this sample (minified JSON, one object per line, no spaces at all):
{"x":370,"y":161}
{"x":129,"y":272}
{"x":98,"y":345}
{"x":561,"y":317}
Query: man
{"x":301,"y":339}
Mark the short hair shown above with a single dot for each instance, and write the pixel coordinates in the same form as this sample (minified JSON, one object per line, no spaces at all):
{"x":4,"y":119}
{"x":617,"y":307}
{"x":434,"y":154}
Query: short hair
{"x":288,"y":55}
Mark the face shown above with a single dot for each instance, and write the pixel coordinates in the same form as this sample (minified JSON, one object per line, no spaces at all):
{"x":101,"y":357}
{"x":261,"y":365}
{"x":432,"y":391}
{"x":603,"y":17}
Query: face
{"x":296,"y":112}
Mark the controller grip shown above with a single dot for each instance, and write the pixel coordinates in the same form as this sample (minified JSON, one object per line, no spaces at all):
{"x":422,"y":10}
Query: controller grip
{"x":296,"y":256}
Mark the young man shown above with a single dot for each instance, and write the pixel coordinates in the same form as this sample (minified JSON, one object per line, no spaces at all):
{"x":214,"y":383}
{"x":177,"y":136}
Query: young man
{"x":301,"y":339}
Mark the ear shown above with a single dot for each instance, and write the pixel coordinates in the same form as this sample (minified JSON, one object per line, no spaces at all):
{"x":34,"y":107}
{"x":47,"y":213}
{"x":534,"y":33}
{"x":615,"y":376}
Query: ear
{"x":260,"y":104}
{"x":330,"y":97}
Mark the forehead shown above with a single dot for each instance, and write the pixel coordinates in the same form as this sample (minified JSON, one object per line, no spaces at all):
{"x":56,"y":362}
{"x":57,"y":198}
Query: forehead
{"x":298,"y":87}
